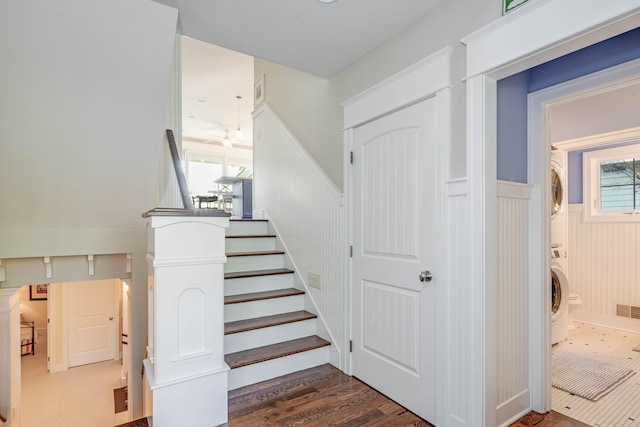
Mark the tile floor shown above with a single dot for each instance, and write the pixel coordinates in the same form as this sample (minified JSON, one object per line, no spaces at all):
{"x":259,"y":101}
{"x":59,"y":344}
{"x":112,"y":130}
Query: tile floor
{"x":621,"y":407}
{"x":79,"y":397}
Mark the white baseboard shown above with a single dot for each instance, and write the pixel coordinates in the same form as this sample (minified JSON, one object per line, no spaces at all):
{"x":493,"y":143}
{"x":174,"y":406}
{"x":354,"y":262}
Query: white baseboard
{"x":613,"y":322}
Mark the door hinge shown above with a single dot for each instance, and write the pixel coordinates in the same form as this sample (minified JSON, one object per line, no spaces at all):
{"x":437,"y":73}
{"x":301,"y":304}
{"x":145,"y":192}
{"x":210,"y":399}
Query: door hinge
{"x":351,"y":251}
{"x":351,"y":157}
{"x":350,"y":346}
{"x":48,"y":359}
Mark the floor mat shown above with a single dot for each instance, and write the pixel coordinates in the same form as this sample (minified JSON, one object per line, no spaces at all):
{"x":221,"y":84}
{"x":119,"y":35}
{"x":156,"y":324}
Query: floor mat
{"x":585,"y":376}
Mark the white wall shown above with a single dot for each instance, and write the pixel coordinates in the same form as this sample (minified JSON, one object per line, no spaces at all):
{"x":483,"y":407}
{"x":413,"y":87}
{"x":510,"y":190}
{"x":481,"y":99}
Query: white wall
{"x":603,"y":268}
{"x":310,"y":106}
{"x":84,"y":89}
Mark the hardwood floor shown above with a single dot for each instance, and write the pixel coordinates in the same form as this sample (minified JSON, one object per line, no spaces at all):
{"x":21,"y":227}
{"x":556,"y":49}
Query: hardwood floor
{"x":324,"y":396}
{"x":321,"y":396}
{"x":551,"y":419}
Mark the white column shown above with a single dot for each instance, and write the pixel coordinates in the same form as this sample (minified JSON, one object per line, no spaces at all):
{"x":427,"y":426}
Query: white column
{"x":185,"y":367}
{"x":10,"y":356}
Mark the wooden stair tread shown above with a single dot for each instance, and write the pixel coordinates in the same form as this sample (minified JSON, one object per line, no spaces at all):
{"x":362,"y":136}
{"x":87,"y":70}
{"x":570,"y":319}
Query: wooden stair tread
{"x":274,"y":351}
{"x":250,"y":236}
{"x":266,"y":321}
{"x":256,"y":273}
{"x":259,"y":296}
{"x":254,"y":253}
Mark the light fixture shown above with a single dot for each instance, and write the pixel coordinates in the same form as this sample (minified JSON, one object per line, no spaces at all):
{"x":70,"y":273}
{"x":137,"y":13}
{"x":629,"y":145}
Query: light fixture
{"x":327,"y":1}
{"x":238,"y":131}
{"x":227,"y":141}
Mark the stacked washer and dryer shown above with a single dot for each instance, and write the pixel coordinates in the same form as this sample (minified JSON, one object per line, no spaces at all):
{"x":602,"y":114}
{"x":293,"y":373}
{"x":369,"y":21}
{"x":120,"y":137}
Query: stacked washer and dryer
{"x":560,"y":296}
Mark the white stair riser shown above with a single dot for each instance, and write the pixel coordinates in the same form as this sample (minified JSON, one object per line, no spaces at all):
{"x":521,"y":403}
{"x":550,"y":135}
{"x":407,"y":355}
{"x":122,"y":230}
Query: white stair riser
{"x":247,"y":228}
{"x":267,"y":307}
{"x":247,"y":285}
{"x":255,"y":373}
{"x":267,"y":336}
{"x":249,"y":263}
{"x":249,"y":244}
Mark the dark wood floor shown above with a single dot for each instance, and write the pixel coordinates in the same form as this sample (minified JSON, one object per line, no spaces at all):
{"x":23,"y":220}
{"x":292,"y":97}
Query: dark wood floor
{"x":551,"y":419}
{"x":321,"y":396}
{"x":324,"y":396}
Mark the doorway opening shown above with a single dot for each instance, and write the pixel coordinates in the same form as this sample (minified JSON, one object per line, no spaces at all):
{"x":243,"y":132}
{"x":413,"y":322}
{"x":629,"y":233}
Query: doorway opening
{"x":591,"y":268}
{"x":74,"y":352}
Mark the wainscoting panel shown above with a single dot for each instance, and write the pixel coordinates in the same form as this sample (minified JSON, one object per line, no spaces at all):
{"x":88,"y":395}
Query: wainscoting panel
{"x":512,"y":316}
{"x":458,"y":339}
{"x":603,"y":268}
{"x":307,"y":210}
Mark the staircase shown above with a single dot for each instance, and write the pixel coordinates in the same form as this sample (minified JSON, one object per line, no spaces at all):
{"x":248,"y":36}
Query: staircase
{"x":268,"y":332}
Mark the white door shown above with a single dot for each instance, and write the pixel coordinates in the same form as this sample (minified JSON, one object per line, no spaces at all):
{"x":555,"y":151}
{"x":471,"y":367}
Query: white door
{"x":393,"y":233}
{"x":92,"y":321}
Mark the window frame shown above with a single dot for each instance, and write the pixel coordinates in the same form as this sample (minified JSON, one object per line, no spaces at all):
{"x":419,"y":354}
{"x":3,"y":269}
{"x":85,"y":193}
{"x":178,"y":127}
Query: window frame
{"x":591,"y":184}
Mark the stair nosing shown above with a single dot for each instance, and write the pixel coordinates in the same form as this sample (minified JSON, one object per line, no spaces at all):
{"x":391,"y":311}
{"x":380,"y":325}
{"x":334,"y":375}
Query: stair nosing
{"x":318,"y":343}
{"x":256,"y":273}
{"x":270,"y":321}
{"x":265,"y":295}
{"x":254,"y":253}
{"x":250,"y":236}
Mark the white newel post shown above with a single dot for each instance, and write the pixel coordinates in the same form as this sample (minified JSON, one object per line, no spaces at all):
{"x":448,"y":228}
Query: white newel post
{"x":185,"y":366}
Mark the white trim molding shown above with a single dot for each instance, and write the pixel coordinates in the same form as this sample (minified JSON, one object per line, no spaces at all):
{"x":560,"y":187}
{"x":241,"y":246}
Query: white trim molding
{"x":418,"y":81}
{"x":513,"y":190}
{"x":515,"y":43}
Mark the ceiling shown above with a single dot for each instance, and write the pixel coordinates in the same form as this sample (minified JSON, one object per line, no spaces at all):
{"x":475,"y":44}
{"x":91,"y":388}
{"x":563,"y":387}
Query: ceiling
{"x":307,"y":35}
{"x":212,"y":78}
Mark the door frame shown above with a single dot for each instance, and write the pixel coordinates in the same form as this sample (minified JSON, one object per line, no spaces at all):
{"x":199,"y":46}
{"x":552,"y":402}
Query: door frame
{"x":511,"y":44}
{"x":427,"y":78}
{"x":539,"y":103}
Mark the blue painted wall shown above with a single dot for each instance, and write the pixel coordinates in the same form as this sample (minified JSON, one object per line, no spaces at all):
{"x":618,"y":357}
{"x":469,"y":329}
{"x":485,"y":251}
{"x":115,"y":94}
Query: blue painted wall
{"x":512,"y":93}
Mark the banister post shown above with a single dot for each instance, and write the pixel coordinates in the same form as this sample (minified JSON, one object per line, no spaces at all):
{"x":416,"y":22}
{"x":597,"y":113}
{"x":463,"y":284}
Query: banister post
{"x":185,"y":367}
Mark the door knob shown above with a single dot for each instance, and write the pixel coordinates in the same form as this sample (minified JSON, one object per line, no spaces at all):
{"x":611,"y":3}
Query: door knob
{"x":111,"y":318}
{"x":426,"y":276}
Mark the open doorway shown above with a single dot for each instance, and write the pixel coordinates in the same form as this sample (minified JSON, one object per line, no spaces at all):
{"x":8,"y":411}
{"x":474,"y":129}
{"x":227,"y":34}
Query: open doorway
{"x":217,"y":126}
{"x":593,"y":229}
{"x":73,"y":372}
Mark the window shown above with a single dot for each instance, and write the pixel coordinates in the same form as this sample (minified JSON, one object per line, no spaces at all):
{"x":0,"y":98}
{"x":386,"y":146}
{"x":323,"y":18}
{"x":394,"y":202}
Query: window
{"x":612,"y":184}
{"x":202,"y":171}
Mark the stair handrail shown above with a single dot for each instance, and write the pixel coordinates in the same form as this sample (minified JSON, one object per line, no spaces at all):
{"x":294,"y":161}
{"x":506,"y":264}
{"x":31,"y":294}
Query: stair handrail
{"x":177,"y":167}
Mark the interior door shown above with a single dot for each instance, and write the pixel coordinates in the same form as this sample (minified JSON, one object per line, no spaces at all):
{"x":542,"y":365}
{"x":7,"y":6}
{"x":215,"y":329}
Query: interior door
{"x":92,"y":322}
{"x":394,"y":222}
